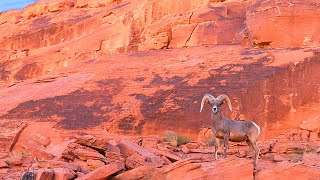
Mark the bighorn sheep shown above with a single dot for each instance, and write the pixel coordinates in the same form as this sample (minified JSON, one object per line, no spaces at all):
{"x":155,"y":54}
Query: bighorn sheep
{"x":227,"y":129}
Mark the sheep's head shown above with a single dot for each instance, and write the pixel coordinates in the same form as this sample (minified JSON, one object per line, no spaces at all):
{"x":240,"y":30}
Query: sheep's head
{"x":215,"y":103}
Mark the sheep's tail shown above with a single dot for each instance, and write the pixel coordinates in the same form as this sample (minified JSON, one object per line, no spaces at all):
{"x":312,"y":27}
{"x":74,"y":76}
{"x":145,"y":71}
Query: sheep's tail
{"x":256,"y":125}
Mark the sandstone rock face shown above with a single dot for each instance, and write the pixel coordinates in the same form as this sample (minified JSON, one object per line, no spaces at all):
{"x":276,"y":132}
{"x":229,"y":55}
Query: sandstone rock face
{"x":10,"y":132}
{"x":283,"y":24}
{"x":79,"y":71}
{"x":59,"y":38}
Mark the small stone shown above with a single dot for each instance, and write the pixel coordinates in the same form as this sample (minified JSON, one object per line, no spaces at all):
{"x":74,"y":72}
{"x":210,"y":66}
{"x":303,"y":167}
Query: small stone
{"x":305,"y":135}
{"x":279,"y":158}
{"x":185,"y":150}
{"x":313,"y":136}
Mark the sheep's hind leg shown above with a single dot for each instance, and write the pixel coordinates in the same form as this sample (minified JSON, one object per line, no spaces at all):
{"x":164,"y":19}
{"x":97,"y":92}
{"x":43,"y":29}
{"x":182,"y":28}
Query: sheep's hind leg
{"x":257,"y":152}
{"x":225,"y":142}
{"x":253,"y":146}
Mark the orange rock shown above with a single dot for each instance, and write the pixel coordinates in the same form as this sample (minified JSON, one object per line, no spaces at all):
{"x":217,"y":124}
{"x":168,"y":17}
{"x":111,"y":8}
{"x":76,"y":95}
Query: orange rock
{"x":63,"y":173}
{"x":75,"y":150}
{"x":114,"y":156}
{"x":284,"y":22}
{"x":112,"y":148}
{"x":181,"y":35}
{"x":279,"y":158}
{"x":4,"y":155}
{"x":130,"y":149}
{"x":3,"y":164}
{"x":93,"y":3}
{"x":10,"y":132}
{"x":311,"y":159}
{"x":137,"y":160}
{"x":185,"y":150}
{"x":136,"y":173}
{"x":25,"y":161}
{"x":41,"y":139}
{"x":314,"y":136}
{"x":290,"y":171}
{"x":166,"y":160}
{"x":195,"y":170}
{"x":282,"y":147}
{"x":311,"y":125}
{"x":44,"y":174}
{"x":192,"y":145}
{"x":103,"y":172}
{"x":84,"y":154}
{"x":58,"y":164}
{"x":94,"y":164}
{"x":305,"y":135}
{"x":169,"y":155}
{"x":204,"y":135}
{"x":149,"y":142}
{"x":83,"y":166}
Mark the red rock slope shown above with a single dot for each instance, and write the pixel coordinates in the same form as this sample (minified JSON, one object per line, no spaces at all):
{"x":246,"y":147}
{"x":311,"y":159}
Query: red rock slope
{"x":140,"y":67}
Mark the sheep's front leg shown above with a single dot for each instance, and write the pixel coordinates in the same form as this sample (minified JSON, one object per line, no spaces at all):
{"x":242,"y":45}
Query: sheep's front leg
{"x":213,"y":141}
{"x":226,"y":137}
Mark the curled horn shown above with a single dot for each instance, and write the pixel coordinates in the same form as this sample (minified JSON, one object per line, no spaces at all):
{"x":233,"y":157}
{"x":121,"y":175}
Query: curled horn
{"x":206,"y":98}
{"x":224,"y":97}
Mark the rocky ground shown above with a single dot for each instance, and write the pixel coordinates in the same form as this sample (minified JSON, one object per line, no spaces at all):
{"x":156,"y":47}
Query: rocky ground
{"x":294,"y":154}
{"x":88,"y":89}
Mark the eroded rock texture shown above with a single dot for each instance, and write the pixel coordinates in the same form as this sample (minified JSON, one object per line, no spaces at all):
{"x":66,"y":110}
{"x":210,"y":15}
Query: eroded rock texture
{"x":74,"y":72}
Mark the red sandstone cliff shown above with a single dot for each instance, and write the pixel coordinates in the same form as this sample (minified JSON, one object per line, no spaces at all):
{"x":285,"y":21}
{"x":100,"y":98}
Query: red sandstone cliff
{"x":140,"y":67}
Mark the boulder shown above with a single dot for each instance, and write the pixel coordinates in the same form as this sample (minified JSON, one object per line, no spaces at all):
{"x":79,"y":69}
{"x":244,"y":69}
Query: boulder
{"x":185,"y":150}
{"x":85,"y":154}
{"x":137,"y":173}
{"x":3,"y":164}
{"x":128,"y":149}
{"x":279,"y":158}
{"x":94,"y":164}
{"x":74,"y":150}
{"x":92,"y":142}
{"x":63,"y":173}
{"x":24,"y":161}
{"x":305,"y":135}
{"x":312,"y":125}
{"x":137,"y":160}
{"x":112,"y":148}
{"x":41,"y":139}
{"x":44,"y":174}
{"x":57,"y":164}
{"x":192,"y":168}
{"x":314,"y":136}
{"x":289,"y":147}
{"x":103,"y":172}
{"x":149,"y":142}
{"x":9,"y":132}
{"x":289,"y":171}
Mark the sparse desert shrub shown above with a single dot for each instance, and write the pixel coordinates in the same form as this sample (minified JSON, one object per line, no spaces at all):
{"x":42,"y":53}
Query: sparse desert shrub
{"x":175,"y":139}
{"x":295,"y":157}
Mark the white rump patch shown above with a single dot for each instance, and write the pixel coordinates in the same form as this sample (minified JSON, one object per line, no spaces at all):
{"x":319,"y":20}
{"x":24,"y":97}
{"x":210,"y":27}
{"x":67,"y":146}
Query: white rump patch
{"x":256,"y":125}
